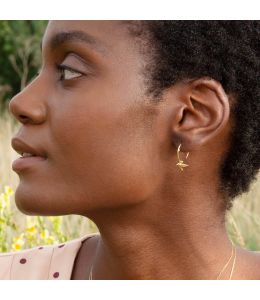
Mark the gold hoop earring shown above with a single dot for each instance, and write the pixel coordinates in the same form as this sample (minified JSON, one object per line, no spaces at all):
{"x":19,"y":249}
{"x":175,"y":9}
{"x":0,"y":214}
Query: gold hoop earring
{"x":180,"y":162}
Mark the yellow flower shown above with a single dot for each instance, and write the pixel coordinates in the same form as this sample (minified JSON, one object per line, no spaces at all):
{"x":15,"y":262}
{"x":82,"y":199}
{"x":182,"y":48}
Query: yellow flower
{"x":31,"y":230}
{"x":51,"y":240}
{"x":8,"y":190}
{"x":44,"y":234}
{"x":18,"y":243}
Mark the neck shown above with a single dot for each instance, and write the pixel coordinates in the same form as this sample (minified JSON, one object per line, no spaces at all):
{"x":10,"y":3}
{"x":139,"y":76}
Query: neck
{"x":171,"y":242}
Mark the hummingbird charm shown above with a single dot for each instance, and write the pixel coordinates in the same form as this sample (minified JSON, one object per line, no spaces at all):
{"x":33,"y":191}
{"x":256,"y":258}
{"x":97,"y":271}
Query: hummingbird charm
{"x":181,"y":164}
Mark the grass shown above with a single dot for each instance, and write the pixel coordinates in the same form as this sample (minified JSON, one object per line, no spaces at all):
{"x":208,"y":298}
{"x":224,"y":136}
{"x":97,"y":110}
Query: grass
{"x":18,"y":231}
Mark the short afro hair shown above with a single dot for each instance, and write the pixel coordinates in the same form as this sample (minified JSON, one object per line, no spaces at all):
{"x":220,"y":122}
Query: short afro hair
{"x":227,"y":51}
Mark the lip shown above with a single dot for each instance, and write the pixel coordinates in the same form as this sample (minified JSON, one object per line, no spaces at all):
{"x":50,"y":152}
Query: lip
{"x":21,"y":147}
{"x":22,"y":163}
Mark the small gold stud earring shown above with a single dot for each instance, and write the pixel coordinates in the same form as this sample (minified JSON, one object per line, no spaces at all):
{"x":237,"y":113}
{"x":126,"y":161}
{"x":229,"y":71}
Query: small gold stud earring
{"x":180,"y":163}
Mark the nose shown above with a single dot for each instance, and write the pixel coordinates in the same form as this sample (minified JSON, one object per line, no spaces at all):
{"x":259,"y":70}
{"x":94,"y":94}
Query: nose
{"x":28,"y":106}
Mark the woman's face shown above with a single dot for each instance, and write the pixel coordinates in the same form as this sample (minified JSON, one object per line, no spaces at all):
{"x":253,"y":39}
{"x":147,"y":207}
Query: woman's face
{"x":92,"y":120}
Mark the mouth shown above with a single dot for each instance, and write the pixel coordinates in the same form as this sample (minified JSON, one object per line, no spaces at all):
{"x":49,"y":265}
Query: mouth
{"x":30,"y":156}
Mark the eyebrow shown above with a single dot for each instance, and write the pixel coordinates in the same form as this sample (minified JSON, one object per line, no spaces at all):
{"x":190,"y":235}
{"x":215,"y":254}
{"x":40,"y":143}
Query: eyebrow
{"x":76,"y":36}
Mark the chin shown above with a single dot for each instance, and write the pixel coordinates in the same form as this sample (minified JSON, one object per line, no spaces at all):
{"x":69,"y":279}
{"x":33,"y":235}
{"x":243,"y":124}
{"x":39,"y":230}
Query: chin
{"x":28,"y":203}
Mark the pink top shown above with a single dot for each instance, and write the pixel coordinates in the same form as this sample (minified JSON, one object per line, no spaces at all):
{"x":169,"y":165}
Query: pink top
{"x":44,"y":262}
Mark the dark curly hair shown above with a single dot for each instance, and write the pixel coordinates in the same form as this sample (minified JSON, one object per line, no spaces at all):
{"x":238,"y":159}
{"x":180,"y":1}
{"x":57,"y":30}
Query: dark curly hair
{"x":227,"y":51}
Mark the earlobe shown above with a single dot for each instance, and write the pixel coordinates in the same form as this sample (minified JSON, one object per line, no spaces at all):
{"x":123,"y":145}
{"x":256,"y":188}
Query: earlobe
{"x":205,"y":112}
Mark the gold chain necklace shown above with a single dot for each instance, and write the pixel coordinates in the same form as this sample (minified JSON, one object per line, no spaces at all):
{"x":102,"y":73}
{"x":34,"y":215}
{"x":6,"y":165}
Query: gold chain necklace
{"x":224,"y":268}
{"x":90,"y":275}
{"x":233,"y":266}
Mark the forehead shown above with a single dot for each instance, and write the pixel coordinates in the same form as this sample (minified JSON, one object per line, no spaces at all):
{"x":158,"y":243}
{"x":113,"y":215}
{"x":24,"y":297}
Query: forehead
{"x":103,"y":36}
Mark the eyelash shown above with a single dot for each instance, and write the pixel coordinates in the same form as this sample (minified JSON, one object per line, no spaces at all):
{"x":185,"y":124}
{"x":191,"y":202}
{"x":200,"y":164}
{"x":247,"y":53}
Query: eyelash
{"x":62,"y":68}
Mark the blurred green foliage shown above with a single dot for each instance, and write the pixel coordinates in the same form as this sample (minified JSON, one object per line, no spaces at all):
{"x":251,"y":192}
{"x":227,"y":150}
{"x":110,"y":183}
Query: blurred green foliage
{"x":20,"y":55}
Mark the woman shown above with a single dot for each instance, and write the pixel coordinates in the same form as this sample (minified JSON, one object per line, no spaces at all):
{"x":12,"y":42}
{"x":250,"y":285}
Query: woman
{"x":150,"y":129}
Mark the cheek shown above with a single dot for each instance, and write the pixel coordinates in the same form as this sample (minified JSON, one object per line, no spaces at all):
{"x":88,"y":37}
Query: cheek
{"x":104,"y":157}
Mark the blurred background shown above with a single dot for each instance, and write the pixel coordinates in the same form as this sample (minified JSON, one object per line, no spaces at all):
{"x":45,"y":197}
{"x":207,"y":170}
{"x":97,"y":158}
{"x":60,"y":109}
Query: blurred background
{"x":20,"y":60}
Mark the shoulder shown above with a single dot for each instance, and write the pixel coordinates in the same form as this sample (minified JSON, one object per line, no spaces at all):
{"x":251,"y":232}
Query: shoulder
{"x":84,"y":258}
{"x":25,"y":263}
{"x":41,"y":262}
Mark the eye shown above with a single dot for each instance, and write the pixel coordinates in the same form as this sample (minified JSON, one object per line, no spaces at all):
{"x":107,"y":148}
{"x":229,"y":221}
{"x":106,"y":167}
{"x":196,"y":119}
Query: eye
{"x":67,"y":73}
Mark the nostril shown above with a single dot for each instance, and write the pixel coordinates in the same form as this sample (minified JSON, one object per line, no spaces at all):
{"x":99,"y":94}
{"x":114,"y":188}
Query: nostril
{"x":23,"y":119}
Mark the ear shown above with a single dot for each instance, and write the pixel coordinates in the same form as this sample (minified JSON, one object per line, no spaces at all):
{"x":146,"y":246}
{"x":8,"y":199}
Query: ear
{"x":201,"y":114}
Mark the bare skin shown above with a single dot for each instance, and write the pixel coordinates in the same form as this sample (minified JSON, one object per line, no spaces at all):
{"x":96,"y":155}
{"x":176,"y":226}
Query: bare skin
{"x":111,"y":157}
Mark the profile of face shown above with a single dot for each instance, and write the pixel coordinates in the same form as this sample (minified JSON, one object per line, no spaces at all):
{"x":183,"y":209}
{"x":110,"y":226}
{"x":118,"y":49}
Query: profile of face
{"x":88,"y":112}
